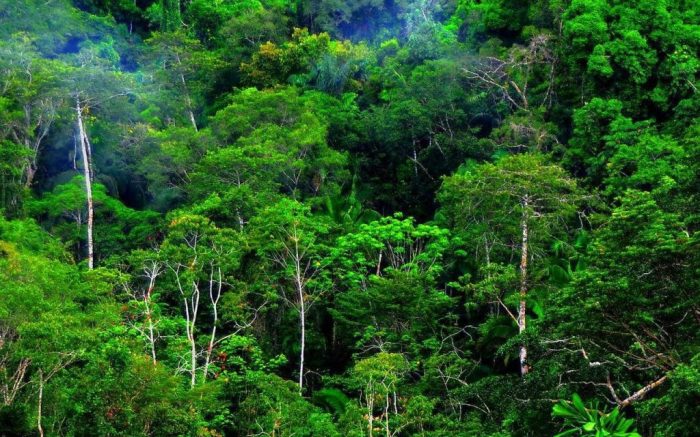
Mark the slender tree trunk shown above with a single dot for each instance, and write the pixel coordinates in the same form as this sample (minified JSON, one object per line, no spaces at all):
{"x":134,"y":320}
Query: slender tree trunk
{"x":29,"y":172}
{"x":188,"y":100}
{"x":370,"y":409}
{"x":87,"y":172}
{"x":302,"y":308}
{"x":41,"y":400}
{"x":191,"y":304}
{"x":302,"y":322}
{"x":193,"y":351}
{"x":523,"y":286}
{"x":193,"y":345}
{"x":386,"y":415}
{"x":241,"y":223}
{"x":151,"y":329}
{"x":149,"y":316}
{"x":214,"y":295}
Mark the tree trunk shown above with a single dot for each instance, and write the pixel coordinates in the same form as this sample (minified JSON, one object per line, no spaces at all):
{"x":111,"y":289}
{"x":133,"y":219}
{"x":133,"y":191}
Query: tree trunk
{"x":523,"y":286}
{"x":149,"y":315}
{"x":302,"y":322}
{"x":29,"y":173}
{"x":191,"y":320}
{"x":151,"y":331}
{"x":87,"y":172}
{"x":302,"y":307}
{"x":191,"y":304}
{"x":188,"y":100}
{"x":214,"y":296}
{"x":369,"y":395}
{"x":41,"y":400}
{"x":386,"y":415}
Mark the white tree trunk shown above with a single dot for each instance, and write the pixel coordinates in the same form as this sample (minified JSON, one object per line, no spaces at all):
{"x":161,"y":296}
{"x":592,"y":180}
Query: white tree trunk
{"x":191,"y":303}
{"x":523,"y":286}
{"x":188,"y":100}
{"x":87,"y":172}
{"x":302,"y":320}
{"x":149,"y":316}
{"x":214,"y":296}
{"x":386,"y":415}
{"x":191,"y":321}
{"x":41,"y":400}
{"x":302,"y":308}
{"x":369,"y":395}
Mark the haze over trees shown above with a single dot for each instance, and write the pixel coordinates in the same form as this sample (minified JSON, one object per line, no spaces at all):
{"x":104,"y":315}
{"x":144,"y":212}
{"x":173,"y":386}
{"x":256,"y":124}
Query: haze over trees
{"x":362,"y":218}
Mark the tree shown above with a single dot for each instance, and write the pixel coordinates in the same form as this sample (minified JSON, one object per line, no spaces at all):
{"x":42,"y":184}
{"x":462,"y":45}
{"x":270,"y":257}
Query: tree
{"x":145,"y":299}
{"x":275,"y":140}
{"x":624,"y":52}
{"x":86,"y":152}
{"x":292,"y":240}
{"x":201,"y":259}
{"x":379,"y":377}
{"x":272,"y":406}
{"x":92,"y":84}
{"x":12,"y":157}
{"x":46,"y":306}
{"x":170,"y":19}
{"x":387,"y":274}
{"x":510,"y":79}
{"x":520,"y":202}
{"x":64,"y":212}
{"x":32,"y":99}
{"x":180,"y":62}
{"x":272,"y":65}
{"x":626,"y":325}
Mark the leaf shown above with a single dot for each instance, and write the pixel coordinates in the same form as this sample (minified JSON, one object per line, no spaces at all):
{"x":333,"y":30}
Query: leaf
{"x":578,"y":403}
{"x":567,"y":433}
{"x":332,"y":399}
{"x":564,"y":410}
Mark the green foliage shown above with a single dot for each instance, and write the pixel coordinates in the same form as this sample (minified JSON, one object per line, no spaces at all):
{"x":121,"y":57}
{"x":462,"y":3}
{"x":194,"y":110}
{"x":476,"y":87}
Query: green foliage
{"x":12,"y":157}
{"x":590,"y":421}
{"x":274,"y":405}
{"x":117,"y":227}
{"x":674,"y":412}
{"x":392,"y":244}
{"x":489,"y":203}
{"x":332,"y":400}
{"x":340,"y":194}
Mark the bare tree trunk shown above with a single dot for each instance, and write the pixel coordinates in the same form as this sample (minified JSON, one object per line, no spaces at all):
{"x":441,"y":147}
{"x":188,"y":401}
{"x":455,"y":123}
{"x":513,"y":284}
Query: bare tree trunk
{"x":191,"y":303}
{"x":149,"y":314}
{"x":87,"y":172}
{"x":29,"y":172}
{"x":302,"y":307}
{"x":370,"y":410}
{"x":151,"y":333}
{"x":302,"y":322}
{"x":523,"y":287}
{"x":386,"y":415}
{"x":188,"y":100}
{"x":191,"y":320}
{"x":41,"y":399}
{"x":214,"y":295}
{"x":415,"y":159}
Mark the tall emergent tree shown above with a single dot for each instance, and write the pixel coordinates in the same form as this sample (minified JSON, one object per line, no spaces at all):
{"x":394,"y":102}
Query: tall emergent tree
{"x":518,"y":205}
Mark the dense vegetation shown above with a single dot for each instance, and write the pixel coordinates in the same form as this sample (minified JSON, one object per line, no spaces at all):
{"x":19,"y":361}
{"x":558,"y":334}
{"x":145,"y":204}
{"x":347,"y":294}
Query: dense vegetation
{"x":361,"y":218}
